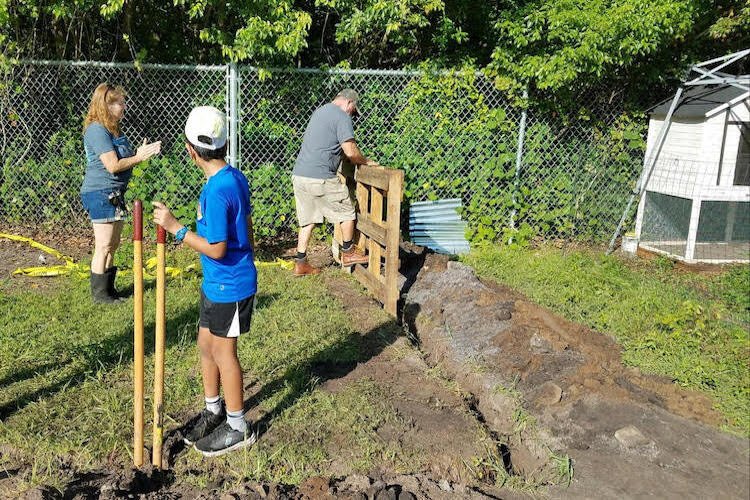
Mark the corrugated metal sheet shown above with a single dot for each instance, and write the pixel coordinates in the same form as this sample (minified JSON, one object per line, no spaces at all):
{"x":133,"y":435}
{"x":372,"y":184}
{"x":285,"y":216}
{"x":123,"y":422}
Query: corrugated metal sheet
{"x":437,"y":225}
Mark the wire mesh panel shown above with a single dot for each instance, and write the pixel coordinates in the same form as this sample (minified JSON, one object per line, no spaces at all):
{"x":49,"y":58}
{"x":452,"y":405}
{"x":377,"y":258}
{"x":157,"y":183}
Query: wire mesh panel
{"x":578,"y":170}
{"x":689,"y":215}
{"x":723,"y":231}
{"x":666,"y":223}
{"x":43,"y":106}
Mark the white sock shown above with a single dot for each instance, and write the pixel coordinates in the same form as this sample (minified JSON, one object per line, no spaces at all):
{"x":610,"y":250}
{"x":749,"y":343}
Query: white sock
{"x":237,"y":420}
{"x":213,"y":404}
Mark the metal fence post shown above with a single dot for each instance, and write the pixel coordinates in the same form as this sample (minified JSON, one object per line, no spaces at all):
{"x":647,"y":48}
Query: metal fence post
{"x":519,"y":156}
{"x":233,"y":111}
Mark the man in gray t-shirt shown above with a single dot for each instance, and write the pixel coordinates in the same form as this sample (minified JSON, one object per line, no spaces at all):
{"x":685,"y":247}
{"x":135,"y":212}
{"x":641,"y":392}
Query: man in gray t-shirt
{"x":320,"y":155}
{"x":318,"y":193}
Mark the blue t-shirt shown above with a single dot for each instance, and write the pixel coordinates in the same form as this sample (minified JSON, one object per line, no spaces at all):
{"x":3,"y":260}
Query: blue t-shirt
{"x":97,"y":140}
{"x":223,"y":208}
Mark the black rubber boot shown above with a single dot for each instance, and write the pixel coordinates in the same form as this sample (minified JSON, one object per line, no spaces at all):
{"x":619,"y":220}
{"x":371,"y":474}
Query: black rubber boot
{"x":111,"y":274}
{"x":99,"y":284}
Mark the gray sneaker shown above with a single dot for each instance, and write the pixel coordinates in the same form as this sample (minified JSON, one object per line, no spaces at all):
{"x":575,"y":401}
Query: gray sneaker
{"x":223,"y":440}
{"x":202,"y":425}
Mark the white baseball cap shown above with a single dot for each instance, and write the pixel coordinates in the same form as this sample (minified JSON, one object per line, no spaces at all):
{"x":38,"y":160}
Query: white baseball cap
{"x":206,"y":127}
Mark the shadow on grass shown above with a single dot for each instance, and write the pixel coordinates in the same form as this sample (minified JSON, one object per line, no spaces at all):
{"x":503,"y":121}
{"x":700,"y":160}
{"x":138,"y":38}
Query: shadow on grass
{"x":335,"y":361}
{"x":113,"y":350}
{"x":29,"y":372}
{"x":332,"y":362}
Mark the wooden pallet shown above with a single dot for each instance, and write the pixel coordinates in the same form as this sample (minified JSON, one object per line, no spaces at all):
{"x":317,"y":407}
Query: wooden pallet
{"x":378,"y":192}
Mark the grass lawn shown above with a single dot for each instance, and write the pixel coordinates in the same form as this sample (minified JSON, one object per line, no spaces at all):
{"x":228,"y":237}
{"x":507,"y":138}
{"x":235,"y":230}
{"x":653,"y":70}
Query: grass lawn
{"x":688,"y":326}
{"x":66,"y":387}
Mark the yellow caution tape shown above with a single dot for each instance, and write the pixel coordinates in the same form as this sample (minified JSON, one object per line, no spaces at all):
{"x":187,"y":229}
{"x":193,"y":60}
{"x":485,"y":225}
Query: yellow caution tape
{"x":82,"y":271}
{"x":284,"y":264}
{"x":171,"y":272}
{"x":69,"y":266}
{"x":38,"y":245}
{"x":41,"y":271}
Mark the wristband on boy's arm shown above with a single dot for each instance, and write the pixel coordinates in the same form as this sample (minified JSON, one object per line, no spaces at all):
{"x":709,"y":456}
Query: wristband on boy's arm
{"x":180,"y":234}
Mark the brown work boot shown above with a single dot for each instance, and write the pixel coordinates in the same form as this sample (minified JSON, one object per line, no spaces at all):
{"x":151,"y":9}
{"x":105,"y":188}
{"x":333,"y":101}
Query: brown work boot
{"x":353,"y":257}
{"x":302,"y":268}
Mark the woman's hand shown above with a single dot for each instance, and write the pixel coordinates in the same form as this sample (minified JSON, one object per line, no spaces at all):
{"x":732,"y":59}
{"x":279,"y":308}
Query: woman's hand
{"x":165,"y":219}
{"x":147,"y":150}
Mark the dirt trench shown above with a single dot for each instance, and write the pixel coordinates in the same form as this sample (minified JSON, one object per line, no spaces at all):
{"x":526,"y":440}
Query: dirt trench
{"x":549,"y":388}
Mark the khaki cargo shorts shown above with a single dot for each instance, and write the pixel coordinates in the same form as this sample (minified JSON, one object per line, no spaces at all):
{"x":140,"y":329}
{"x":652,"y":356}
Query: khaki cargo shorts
{"x":322,"y":198}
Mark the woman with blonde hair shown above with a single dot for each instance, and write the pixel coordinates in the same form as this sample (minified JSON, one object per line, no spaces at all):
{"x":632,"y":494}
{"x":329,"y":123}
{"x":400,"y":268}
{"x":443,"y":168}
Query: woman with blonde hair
{"x":109,"y":160}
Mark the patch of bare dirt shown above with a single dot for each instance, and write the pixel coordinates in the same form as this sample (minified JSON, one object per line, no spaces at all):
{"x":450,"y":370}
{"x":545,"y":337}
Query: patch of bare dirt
{"x":75,"y":244}
{"x":542,"y":347}
{"x":18,"y":254}
{"x":629,"y":434}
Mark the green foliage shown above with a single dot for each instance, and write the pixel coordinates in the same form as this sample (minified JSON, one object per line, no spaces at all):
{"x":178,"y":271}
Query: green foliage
{"x":554,"y":43}
{"x":272,"y":199}
{"x":108,"y":9}
{"x":169,"y":178}
{"x":564,"y":468}
{"x":4,"y":23}
{"x":50,"y":185}
{"x":267,"y":30}
{"x":734,"y":24}
{"x":677,"y":335}
{"x":560,"y":190}
{"x":444,"y":154}
{"x":731,"y":287}
{"x":375,"y":30}
{"x":520,"y":236}
{"x":689,"y":327}
{"x":47,"y":184}
{"x":548,"y":44}
{"x":4,"y":18}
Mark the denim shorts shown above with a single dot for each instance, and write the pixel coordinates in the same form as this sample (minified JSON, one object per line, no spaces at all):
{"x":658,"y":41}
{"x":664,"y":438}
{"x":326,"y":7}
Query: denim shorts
{"x":99,"y":207}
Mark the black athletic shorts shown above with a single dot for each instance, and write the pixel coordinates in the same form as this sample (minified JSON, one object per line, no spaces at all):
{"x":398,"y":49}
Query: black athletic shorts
{"x":228,"y":319}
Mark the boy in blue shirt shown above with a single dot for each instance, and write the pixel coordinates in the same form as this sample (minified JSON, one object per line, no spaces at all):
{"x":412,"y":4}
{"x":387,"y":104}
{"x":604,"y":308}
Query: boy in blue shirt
{"x":224,"y":241}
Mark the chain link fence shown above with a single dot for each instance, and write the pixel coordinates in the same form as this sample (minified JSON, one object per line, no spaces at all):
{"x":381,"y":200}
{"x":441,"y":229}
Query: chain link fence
{"x":43,"y":106}
{"x":454,"y":135}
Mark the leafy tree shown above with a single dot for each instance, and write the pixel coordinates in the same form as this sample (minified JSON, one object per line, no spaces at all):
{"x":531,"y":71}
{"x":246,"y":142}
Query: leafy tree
{"x":260,"y":31}
{"x":552,"y":43}
{"x":206,"y":31}
{"x":378,"y":33}
{"x":734,"y":24}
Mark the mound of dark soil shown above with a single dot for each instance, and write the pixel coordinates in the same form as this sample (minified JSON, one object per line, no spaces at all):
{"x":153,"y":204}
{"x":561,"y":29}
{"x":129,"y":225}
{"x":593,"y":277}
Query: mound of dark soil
{"x":629,"y":434}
